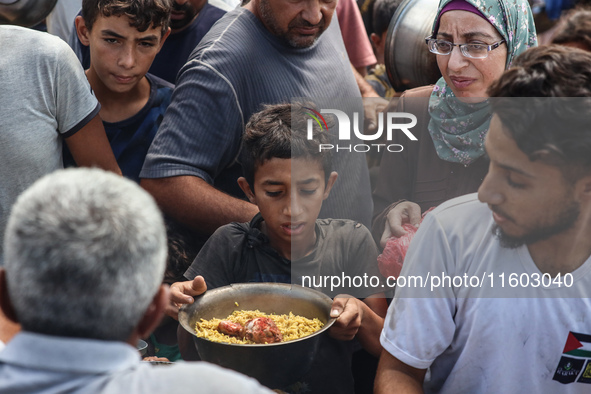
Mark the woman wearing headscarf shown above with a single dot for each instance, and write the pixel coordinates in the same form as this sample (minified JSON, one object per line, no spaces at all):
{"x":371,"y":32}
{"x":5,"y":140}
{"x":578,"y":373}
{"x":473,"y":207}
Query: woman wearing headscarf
{"x":475,"y":41}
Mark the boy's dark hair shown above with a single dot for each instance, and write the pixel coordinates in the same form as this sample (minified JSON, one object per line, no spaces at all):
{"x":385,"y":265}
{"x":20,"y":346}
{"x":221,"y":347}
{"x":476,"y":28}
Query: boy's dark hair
{"x":182,"y":250}
{"x":142,"y":14}
{"x":280,"y":131}
{"x":576,"y":29}
{"x":552,"y":124}
{"x":383,"y":11}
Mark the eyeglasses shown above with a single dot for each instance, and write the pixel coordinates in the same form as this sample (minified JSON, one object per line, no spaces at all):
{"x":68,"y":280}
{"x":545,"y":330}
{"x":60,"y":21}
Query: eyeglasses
{"x":474,"y":51}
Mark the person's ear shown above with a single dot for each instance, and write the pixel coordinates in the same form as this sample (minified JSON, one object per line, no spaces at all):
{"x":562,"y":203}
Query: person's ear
{"x":583,"y":189}
{"x":376,"y":39}
{"x":329,"y":184}
{"x":164,"y":37}
{"x":243,"y":183}
{"x":82,"y":30}
{"x":154,"y":313}
{"x":5,"y":303}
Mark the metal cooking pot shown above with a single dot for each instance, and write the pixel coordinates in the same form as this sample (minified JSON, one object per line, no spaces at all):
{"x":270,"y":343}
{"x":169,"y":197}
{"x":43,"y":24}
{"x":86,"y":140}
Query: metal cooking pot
{"x":274,"y":365}
{"x":24,"y":12}
{"x":409,"y":63}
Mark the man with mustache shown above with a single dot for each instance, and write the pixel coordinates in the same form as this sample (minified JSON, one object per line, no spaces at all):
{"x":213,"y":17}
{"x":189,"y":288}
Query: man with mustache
{"x":515,"y":316}
{"x":267,"y":52}
{"x":189,"y":22}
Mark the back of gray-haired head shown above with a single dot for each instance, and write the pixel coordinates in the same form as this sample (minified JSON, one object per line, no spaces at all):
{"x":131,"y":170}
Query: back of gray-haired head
{"x":85,"y":253}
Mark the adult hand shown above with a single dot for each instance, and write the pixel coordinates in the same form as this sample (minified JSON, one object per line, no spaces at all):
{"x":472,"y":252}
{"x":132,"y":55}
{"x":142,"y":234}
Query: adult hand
{"x":364,"y":87}
{"x":371,"y":108}
{"x":154,"y":358}
{"x":183,"y":293}
{"x":403,"y":213}
{"x":349,"y":313}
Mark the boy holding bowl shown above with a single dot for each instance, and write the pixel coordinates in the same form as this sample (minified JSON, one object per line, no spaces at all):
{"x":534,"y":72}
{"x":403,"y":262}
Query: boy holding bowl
{"x":288,"y":177}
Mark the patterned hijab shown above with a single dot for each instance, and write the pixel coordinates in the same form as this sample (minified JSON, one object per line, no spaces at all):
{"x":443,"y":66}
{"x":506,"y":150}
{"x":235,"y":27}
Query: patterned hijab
{"x":458,"y":129}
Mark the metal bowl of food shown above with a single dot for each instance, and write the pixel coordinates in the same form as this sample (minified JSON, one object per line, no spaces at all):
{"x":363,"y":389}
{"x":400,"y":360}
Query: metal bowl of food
{"x":24,"y":12}
{"x":274,"y":365}
{"x":409,"y":63}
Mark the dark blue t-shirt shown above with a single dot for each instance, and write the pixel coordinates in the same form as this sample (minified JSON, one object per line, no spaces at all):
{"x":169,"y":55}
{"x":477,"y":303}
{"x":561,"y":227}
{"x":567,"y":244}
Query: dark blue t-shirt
{"x":131,"y":138}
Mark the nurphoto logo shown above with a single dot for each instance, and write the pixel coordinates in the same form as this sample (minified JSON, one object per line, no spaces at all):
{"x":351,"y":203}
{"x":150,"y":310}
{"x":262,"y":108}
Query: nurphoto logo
{"x":395,"y":122}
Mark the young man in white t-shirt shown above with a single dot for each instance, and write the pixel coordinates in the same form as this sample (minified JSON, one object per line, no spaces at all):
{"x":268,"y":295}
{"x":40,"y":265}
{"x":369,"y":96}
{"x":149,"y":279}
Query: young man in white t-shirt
{"x":504,"y":305}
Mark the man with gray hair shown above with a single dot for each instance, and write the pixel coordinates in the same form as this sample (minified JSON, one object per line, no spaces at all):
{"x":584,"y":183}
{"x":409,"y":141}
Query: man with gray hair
{"x":85,"y":254}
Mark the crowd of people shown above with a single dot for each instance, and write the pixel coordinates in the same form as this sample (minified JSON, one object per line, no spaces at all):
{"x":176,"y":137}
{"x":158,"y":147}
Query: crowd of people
{"x":175,"y":146}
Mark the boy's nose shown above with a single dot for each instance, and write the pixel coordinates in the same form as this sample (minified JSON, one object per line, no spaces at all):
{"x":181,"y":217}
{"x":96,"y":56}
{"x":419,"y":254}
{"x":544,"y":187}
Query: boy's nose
{"x":127,"y":58}
{"x":294,"y":207}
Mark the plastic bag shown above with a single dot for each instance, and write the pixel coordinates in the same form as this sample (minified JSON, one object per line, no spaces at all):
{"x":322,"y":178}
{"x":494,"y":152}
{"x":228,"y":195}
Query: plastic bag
{"x":392,"y":257}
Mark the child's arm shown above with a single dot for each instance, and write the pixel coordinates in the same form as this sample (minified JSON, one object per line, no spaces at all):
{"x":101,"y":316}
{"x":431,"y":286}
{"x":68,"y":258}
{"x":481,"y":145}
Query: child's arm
{"x":361,"y":319}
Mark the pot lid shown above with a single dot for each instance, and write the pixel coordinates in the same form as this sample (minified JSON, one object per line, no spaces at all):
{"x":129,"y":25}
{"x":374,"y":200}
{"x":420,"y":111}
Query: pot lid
{"x":25,"y":13}
{"x":409,"y":64}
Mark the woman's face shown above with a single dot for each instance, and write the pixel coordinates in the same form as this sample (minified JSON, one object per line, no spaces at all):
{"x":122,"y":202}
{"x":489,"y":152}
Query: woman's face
{"x":469,"y":78}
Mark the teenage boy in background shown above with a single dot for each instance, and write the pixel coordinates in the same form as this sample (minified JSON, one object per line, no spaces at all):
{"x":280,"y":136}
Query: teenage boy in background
{"x":124,"y":37}
{"x":190,"y":20}
{"x":288,"y":178}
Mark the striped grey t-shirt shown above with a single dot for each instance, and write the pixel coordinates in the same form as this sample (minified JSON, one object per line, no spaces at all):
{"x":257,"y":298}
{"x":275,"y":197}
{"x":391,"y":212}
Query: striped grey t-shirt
{"x":237,"y":68}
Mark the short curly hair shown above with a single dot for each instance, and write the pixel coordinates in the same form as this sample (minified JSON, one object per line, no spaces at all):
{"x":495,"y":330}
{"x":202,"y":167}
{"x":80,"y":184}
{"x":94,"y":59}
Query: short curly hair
{"x":142,"y":14}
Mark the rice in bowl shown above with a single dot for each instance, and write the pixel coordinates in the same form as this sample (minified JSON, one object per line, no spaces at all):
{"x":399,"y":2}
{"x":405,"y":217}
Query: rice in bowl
{"x":291,"y":326}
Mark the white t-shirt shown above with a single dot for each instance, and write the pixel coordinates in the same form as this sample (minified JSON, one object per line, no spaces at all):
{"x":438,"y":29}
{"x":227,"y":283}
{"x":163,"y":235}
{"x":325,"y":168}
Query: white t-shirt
{"x":45,"y":96}
{"x":488,"y":339}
